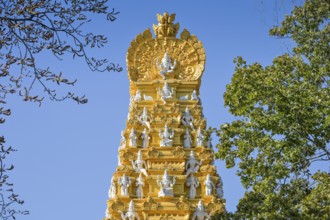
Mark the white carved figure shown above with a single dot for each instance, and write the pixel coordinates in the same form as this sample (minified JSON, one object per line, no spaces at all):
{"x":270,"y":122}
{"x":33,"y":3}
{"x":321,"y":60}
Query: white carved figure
{"x":166,"y":137}
{"x":200,"y":137}
{"x":147,"y":97}
{"x":139,"y":164}
{"x":209,"y":185}
{"x":144,"y":118}
{"x":137,"y":96}
{"x":132,"y":138}
{"x":139,"y":186}
{"x":107,"y":215}
{"x":112,"y":190}
{"x":192,"y":164}
{"x":219,"y":188}
{"x":124,"y":182}
{"x":184,"y":98}
{"x":165,"y":66}
{"x":166,"y":185}
{"x":145,"y":138}
{"x":166,"y":92}
{"x":122,"y":143}
{"x":209,"y":142}
{"x":187,"y":139}
{"x":193,"y":183}
{"x":194,"y":96}
{"x":200,"y":212}
{"x":119,"y":161}
{"x":187,"y":119}
{"x":131,"y":214}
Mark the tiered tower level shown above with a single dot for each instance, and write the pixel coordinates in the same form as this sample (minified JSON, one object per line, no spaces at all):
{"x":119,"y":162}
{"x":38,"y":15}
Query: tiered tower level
{"x":165,"y":158}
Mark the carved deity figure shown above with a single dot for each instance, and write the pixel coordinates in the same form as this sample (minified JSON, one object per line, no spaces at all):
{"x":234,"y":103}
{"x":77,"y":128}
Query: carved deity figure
{"x":194,"y":96}
{"x":166,"y":185}
{"x":131,"y":214}
{"x":193,"y":183}
{"x":132,"y":138}
{"x":184,"y":98}
{"x":139,"y":164}
{"x":137,"y":96}
{"x":119,"y":161}
{"x":166,"y":137}
{"x":187,"y":139}
{"x":122,"y":140}
{"x":112,"y":190}
{"x":200,"y":137}
{"x":145,"y":138}
{"x":124,"y":182}
{"x":166,"y":92}
{"x":166,"y":65}
{"x":147,"y":97}
{"x":192,"y":164}
{"x":187,"y":119}
{"x":209,"y":142}
{"x":139,"y":186}
{"x":144,"y":118}
{"x":219,"y":188}
{"x":200,"y":212}
{"x":209,"y":185}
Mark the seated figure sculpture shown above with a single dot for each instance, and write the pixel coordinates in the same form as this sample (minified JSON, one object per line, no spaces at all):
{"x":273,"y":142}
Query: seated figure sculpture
{"x":131,"y":214}
{"x":166,"y":92}
{"x":144,"y":118}
{"x":209,"y":185}
{"x":192,"y":164}
{"x":137,"y":96}
{"x":166,"y":137}
{"x":187,"y":119}
{"x":165,"y":66}
{"x":166,"y":185}
{"x":200,"y":212}
{"x":124,"y":182}
{"x":139,"y":164}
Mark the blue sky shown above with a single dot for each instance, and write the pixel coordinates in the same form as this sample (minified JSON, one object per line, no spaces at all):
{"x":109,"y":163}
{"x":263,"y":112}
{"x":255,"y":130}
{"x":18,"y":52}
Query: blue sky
{"x":67,"y":153}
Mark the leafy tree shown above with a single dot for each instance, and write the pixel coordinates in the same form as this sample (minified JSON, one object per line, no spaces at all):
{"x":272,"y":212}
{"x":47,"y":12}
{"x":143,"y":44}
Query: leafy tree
{"x":29,"y":29}
{"x":282,"y":132}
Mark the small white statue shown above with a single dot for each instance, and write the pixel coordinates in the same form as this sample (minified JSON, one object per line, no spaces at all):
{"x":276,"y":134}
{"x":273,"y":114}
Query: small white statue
{"x":139,"y":164}
{"x":119,"y":161}
{"x":139,"y":186}
{"x":194,"y":96}
{"x":137,"y":96}
{"x":219,"y":188}
{"x":209,"y":142}
{"x":132,"y":138}
{"x":145,"y":138}
{"x":147,"y":97}
{"x":166,"y":185}
{"x":187,"y":119}
{"x":184,"y":98}
{"x":131,"y":214}
{"x":193,"y":183}
{"x":166,"y":92}
{"x":209,"y":185}
{"x":144,"y":118}
{"x":200,"y":212}
{"x":166,"y":137}
{"x":122,"y":140}
{"x":200,"y":137}
{"x":192,"y":165}
{"x":187,"y":139}
{"x":112,"y":190}
{"x":124,"y":182}
{"x":165,"y":66}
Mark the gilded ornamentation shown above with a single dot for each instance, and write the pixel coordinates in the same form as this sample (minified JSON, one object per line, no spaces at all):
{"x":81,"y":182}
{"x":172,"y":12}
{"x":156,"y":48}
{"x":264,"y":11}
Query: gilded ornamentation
{"x":128,"y":156}
{"x":206,"y":154}
{"x":208,"y":168}
{"x":183,"y":204}
{"x":216,"y":205}
{"x":167,"y":217}
{"x":179,"y":152}
{"x":117,"y":205}
{"x":165,"y":27}
{"x":153,"y":153}
{"x":150,"y":204}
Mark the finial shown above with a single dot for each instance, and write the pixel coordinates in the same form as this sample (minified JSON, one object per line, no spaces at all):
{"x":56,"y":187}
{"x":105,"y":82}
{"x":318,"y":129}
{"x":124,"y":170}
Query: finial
{"x":165,"y":27}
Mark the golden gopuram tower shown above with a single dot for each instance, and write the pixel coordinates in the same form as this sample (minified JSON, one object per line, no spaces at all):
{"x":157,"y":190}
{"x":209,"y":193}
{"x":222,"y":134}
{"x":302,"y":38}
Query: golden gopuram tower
{"x":165,"y":159}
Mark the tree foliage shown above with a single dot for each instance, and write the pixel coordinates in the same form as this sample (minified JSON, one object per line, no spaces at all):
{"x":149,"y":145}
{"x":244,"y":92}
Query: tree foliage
{"x":282,"y":133}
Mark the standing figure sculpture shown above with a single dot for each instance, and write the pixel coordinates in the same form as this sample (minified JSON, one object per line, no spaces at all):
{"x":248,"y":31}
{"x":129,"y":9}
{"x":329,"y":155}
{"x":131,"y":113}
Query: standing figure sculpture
{"x":122,"y":140}
{"x":137,"y":96}
{"x":139,"y":164}
{"x":166,"y":185}
{"x":131,"y":214}
{"x":209,"y":185}
{"x":166,"y":137}
{"x":166,"y":92}
{"x":139,"y":186}
{"x":145,"y":138}
{"x":124,"y":182}
{"x":112,"y":190}
{"x":193,"y":183}
{"x":194,"y":96}
{"x":132,"y":138}
{"x":200,"y":137}
{"x":192,"y":165}
{"x":187,"y":119}
{"x":219,"y":188}
{"x":187,"y":139}
{"x":165,"y":66}
{"x":200,"y":212}
{"x":144,"y":118}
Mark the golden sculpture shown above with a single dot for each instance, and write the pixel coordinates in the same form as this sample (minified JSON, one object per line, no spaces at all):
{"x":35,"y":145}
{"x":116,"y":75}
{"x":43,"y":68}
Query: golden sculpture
{"x":165,"y":160}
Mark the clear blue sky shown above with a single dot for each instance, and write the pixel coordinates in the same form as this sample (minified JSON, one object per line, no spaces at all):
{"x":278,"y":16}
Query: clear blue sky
{"x":68,"y":152}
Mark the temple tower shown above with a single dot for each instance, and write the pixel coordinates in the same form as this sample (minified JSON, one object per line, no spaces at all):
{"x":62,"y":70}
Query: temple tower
{"x":165,"y":158}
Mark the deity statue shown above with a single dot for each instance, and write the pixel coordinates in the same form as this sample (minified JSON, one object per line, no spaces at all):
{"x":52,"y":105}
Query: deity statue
{"x":144,"y":118}
{"x":187,"y":139}
{"x":209,"y":142}
{"x":193,"y":183}
{"x":122,"y":140}
{"x":112,"y":190}
{"x":165,"y":66}
{"x":139,"y":186}
{"x":184,"y":98}
{"x":137,"y":96}
{"x":147,"y":97}
{"x":219,"y":188}
{"x":166,"y":185}
{"x":166,"y":92}
{"x":200,"y":137}
{"x":119,"y":161}
{"x":124,"y":182}
{"x":166,"y":137}
{"x":132,"y":138}
{"x":187,"y":119}
{"x":209,"y":185}
{"x":192,"y":165}
{"x":131,"y":214}
{"x":194,"y":96}
{"x":200,"y":212}
{"x":139,"y":164}
{"x":145,"y":138}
